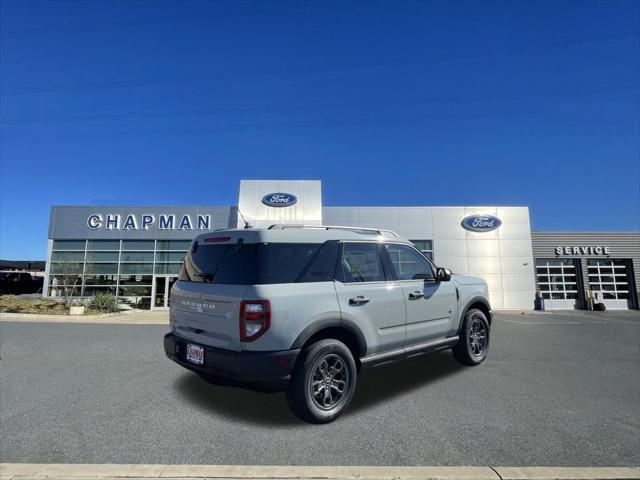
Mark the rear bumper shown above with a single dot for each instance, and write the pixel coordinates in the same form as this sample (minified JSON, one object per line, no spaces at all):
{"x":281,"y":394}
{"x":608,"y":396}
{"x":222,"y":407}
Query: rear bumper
{"x":264,"y":371}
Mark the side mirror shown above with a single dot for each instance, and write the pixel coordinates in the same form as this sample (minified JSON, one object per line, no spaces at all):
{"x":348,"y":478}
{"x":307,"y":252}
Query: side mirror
{"x":443,"y":274}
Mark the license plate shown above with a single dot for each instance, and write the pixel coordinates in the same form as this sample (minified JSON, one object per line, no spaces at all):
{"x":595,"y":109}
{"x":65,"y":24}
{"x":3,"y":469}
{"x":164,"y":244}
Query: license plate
{"x":195,"y":354}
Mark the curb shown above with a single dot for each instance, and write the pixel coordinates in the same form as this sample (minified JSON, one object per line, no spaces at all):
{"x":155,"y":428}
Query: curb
{"x":567,"y":473}
{"x":129,"y":317}
{"x":64,"y":315}
{"x":24,"y":471}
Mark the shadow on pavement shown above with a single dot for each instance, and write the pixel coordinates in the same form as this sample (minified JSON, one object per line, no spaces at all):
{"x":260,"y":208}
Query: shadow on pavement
{"x":382,"y":384}
{"x":374,"y":387}
{"x":234,"y":402}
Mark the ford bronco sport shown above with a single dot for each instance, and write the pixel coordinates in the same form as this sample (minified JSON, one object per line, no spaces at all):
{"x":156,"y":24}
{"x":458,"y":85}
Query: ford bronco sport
{"x":307,"y":308}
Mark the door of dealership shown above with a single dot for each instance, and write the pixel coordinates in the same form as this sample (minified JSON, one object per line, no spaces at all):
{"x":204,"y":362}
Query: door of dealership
{"x":561,"y":284}
{"x":162,"y":291}
{"x":610,"y":280}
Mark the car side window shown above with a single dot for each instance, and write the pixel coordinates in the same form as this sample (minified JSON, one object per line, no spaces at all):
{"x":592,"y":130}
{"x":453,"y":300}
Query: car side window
{"x":322,"y":266}
{"x":408,"y":263}
{"x":361,"y":262}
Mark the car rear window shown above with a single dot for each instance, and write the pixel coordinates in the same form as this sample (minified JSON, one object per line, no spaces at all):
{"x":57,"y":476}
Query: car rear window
{"x":260,"y":263}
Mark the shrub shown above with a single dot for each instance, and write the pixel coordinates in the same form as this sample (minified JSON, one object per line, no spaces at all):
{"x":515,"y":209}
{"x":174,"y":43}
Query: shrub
{"x":104,"y":302}
{"x":13,"y":304}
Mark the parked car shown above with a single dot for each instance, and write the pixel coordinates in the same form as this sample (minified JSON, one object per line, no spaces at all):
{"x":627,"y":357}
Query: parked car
{"x":307,"y":309}
{"x":36,"y":284}
{"x":18,"y":283}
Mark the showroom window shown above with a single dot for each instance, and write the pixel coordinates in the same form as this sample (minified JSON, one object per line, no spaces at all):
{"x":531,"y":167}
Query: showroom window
{"x":78,"y":245}
{"x":124,"y":268}
{"x":425,"y":246}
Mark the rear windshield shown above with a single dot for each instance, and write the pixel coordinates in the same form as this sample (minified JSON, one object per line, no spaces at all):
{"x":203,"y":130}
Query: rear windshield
{"x":260,"y":263}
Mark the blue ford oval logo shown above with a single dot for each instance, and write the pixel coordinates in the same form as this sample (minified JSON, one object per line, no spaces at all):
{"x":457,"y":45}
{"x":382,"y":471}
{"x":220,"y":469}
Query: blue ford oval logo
{"x":481,"y":223}
{"x":279,"y":199}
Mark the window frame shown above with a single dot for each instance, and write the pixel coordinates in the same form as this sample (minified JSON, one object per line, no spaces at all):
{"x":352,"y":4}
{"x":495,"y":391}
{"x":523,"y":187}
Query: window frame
{"x":339,"y":274}
{"x":431,"y":252}
{"x":307,"y":267}
{"x":184,"y":274}
{"x":434,"y":269}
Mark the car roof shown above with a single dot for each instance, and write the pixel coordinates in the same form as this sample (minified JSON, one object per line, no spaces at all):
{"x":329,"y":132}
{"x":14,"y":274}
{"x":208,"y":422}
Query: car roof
{"x":299,"y":234}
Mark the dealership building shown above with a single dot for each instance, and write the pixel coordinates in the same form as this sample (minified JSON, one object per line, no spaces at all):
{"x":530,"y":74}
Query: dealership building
{"x":135,"y":252}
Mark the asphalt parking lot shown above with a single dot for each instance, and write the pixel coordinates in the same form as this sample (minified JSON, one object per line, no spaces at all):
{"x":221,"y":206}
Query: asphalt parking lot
{"x":557,"y":389}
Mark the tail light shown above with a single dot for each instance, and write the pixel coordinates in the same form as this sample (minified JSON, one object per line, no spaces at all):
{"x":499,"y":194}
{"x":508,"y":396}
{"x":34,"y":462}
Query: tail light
{"x":255,"y":319}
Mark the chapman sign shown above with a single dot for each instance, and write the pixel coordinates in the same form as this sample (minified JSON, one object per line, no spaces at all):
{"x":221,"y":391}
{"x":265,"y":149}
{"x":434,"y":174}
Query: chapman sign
{"x":582,"y":250}
{"x":146,"y":221}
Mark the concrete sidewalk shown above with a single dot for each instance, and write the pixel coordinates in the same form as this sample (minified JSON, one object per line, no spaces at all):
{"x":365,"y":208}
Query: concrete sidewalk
{"x":21,"y":471}
{"x":126,"y":317}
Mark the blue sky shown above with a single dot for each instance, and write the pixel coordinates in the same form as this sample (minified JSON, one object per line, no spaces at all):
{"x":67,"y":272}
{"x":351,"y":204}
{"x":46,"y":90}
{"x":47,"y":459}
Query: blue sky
{"x":388,"y":103}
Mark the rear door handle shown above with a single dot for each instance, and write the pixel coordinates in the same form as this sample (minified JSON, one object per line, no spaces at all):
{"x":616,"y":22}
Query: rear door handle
{"x":416,"y":295}
{"x":359,"y":300}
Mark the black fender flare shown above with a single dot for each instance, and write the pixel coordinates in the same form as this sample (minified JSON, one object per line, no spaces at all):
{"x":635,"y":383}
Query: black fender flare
{"x":320,"y":325}
{"x":478,"y":299}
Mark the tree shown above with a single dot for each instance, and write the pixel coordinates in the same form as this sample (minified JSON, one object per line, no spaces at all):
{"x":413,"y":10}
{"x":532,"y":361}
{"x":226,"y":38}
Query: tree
{"x":70,"y":272}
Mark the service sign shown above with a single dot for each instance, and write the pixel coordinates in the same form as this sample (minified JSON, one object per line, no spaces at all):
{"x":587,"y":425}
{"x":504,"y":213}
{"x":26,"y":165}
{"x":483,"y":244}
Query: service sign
{"x":481,"y":223}
{"x":279,"y":199}
{"x":583,"y":250}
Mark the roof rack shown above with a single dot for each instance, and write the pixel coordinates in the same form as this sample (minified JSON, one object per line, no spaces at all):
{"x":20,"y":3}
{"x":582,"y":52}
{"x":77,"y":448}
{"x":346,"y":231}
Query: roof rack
{"x":360,"y":230}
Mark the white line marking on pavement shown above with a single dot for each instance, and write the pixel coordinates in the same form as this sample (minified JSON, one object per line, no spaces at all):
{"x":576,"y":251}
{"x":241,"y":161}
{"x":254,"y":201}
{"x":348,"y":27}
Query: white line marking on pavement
{"x":538,"y":323}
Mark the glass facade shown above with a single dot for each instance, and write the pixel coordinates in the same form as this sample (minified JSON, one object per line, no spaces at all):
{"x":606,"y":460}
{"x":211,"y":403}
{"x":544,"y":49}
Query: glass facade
{"x":125,"y":268}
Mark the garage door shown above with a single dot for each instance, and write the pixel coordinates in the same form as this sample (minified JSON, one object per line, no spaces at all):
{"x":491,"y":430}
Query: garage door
{"x":610,"y":280}
{"x":558,"y":283}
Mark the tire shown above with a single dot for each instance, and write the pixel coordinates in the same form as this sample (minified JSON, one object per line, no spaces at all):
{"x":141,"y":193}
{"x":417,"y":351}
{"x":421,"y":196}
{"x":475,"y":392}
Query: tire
{"x":473,"y":345}
{"x":333,"y":359}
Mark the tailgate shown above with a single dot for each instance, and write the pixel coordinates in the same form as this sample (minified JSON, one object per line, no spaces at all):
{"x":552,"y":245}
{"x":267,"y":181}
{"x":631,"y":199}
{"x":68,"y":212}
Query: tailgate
{"x":207,"y":313}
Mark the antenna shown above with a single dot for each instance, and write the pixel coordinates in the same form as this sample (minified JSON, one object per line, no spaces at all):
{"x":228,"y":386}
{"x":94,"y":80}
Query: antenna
{"x":246,"y":224}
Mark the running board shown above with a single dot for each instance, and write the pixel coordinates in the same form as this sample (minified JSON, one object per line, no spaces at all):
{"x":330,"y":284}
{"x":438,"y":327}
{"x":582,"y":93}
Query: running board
{"x":390,"y":356}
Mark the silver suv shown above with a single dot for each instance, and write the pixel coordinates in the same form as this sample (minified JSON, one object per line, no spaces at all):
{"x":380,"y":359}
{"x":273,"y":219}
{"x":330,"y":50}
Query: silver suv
{"x":307,"y":308}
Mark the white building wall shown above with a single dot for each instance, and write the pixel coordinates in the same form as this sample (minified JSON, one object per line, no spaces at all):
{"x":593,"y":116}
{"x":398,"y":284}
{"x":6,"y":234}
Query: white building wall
{"x":307,"y":210}
{"x":503,"y":257}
